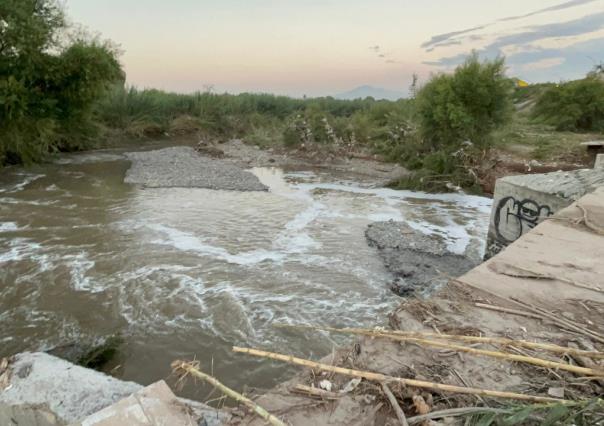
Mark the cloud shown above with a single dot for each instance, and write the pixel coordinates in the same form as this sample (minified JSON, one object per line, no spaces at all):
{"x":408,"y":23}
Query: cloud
{"x":583,"y":25}
{"x":543,"y":64}
{"x":561,"y":6}
{"x":586,"y":24}
{"x":438,"y":40}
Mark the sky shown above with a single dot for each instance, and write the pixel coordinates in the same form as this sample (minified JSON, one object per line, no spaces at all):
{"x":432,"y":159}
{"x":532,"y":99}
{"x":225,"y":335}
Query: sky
{"x":324,"y":47}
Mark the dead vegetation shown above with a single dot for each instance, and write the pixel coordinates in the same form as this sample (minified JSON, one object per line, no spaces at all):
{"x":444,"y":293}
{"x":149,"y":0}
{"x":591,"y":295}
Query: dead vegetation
{"x":462,"y":356}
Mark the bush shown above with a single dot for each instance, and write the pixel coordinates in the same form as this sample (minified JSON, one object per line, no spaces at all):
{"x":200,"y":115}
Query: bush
{"x":47,"y":88}
{"x":574,"y":106}
{"x":465,"y":106}
{"x":457,"y":115}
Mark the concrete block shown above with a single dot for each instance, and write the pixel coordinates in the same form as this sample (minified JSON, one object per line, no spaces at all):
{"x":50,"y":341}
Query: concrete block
{"x":45,"y":390}
{"x":522,"y":202}
{"x":38,"y":389}
{"x":154,"y":405}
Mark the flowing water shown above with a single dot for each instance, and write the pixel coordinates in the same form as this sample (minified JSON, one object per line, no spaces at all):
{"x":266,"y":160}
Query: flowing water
{"x":185,"y":273}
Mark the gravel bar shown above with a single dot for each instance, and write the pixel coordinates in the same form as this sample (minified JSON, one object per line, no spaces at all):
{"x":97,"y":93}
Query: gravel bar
{"x":183,"y":167}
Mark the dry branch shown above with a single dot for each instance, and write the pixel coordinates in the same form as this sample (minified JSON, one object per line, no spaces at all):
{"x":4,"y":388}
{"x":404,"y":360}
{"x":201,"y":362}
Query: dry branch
{"x":494,"y":354}
{"x":559,"y":321}
{"x":378,"y":377}
{"x":183,"y":368}
{"x":564,"y":350}
{"x":507,"y":310}
{"x":316,"y":392}
{"x":395,"y":405}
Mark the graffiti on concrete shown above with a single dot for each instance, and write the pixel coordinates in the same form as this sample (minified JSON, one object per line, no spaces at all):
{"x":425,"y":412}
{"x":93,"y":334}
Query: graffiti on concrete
{"x":513,"y":218}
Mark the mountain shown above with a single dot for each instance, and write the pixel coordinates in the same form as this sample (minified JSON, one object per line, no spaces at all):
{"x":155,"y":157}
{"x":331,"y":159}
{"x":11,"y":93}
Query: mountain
{"x":375,"y":92}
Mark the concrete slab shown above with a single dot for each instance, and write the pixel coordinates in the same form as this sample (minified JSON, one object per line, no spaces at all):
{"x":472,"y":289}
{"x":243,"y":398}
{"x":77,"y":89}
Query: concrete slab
{"x":154,"y":405}
{"x":554,"y":263}
{"x":522,"y":202}
{"x":38,"y":389}
{"x":41,"y":391}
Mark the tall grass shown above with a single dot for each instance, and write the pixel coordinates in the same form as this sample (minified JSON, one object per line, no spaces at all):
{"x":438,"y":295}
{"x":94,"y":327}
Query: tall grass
{"x":259,"y":118}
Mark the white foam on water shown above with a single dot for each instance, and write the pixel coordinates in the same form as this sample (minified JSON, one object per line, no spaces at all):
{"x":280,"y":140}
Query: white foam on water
{"x":187,"y":242}
{"x":20,"y":249}
{"x":80,"y":265}
{"x":456,"y":236}
{"x":8,"y":226}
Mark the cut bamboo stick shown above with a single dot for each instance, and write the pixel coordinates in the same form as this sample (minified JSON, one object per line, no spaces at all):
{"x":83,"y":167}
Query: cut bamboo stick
{"x":378,"y":377}
{"x":480,"y":339}
{"x":503,"y":341}
{"x":561,"y":322}
{"x":182,"y":367}
{"x":494,"y":354}
{"x":319,"y":393}
{"x":507,"y":310}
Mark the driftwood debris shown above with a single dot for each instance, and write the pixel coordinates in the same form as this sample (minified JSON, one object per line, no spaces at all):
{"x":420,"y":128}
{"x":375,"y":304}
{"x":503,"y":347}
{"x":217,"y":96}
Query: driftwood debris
{"x":494,"y":354}
{"x":315,"y":392}
{"x":560,"y":321}
{"x":183,"y":368}
{"x":400,"y":415}
{"x":379,"y":378}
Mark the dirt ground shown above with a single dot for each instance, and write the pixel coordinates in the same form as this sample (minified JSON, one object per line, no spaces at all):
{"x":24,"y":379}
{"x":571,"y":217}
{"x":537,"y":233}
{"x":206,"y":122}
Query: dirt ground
{"x":546,"y":287}
{"x":338,"y":161}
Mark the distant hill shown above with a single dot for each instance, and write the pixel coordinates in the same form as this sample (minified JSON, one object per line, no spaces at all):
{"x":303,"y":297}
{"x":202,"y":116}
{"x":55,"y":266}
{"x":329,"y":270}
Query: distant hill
{"x":375,"y":92}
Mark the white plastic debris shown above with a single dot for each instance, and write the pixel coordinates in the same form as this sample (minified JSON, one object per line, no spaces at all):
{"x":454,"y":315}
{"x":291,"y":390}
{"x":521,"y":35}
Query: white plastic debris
{"x":325,"y":385}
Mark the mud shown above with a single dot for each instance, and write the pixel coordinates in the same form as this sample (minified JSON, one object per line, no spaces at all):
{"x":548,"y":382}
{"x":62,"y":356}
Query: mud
{"x":420,"y":263}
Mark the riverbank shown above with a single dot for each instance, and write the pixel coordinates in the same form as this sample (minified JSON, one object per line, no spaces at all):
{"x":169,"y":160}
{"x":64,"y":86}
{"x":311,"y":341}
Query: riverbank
{"x":493,"y":300}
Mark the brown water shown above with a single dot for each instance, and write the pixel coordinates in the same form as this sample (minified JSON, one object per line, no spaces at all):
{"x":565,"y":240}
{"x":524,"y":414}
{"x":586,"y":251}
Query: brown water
{"x":185,"y":273}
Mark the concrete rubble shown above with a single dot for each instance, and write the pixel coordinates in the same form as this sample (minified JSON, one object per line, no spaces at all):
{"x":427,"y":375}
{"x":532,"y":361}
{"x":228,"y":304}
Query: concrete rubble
{"x":43,"y":390}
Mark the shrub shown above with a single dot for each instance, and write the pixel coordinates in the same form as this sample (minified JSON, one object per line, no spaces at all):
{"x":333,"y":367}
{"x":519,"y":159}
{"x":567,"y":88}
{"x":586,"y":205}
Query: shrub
{"x":575,"y":105}
{"x":457,"y":115}
{"x":465,"y":106}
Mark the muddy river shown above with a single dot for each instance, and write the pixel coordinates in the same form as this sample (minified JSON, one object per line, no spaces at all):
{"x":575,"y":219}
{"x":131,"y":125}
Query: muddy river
{"x":183,"y":273}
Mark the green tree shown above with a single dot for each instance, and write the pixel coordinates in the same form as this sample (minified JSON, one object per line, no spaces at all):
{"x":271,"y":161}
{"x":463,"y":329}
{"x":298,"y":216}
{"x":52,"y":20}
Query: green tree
{"x":49,"y":81}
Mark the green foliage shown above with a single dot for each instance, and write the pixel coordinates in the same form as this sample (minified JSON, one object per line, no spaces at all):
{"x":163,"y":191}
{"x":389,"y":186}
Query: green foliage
{"x":260,"y":119}
{"x":466,"y":105}
{"x":457,"y":115}
{"x":574,"y":106}
{"x":586,"y":412}
{"x":47,"y":87}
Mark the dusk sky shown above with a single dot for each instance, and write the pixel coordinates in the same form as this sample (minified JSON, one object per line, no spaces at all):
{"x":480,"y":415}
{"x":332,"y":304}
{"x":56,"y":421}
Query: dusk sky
{"x":323,"y":47}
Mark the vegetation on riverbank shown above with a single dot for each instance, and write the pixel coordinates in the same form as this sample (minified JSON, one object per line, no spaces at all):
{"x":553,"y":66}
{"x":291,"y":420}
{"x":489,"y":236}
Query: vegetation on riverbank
{"x":61,"y":91}
{"x":50,"y":80}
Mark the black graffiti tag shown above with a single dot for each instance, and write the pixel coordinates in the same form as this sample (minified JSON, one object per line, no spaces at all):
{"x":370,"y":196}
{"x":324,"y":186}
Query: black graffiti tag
{"x":513,"y":218}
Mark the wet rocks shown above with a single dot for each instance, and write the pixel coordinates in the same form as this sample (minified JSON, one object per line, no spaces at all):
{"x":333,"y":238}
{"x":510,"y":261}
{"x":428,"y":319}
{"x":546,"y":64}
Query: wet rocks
{"x":420,"y":263}
{"x":183,"y":167}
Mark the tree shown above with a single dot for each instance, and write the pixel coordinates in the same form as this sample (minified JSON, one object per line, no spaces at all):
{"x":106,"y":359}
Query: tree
{"x":49,"y":80}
